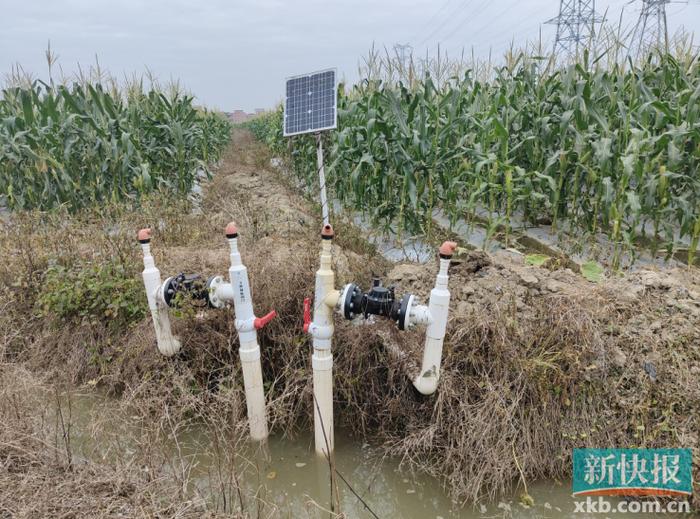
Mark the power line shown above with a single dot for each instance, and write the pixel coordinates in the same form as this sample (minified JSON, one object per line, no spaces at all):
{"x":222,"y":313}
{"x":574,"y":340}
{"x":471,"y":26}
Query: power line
{"x":470,"y":16}
{"x":498,"y":35}
{"x":501,"y":45}
{"x":447,"y":20}
{"x":575,"y":25}
{"x":432,"y":18}
{"x":520,"y":28}
{"x":493,"y":19}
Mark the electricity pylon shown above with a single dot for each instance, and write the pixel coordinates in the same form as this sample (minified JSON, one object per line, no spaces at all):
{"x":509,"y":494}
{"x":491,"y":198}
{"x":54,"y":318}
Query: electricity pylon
{"x":651,"y":31}
{"x":403,"y":52}
{"x":575,"y":25}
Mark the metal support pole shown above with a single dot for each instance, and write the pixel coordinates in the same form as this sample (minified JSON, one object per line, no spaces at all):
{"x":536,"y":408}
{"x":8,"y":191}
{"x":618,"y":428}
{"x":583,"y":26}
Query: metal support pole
{"x":322,"y":179}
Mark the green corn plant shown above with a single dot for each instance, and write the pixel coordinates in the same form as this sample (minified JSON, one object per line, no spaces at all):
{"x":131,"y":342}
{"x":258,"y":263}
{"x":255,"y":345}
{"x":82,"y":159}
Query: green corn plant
{"x":82,"y":145}
{"x":591,"y":148}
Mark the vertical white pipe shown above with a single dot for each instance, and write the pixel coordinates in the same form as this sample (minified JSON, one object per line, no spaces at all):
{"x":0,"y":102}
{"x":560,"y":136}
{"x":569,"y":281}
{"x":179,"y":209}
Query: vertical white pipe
{"x":254,"y":390}
{"x":324,"y":437}
{"x":249,"y":349}
{"x":321,"y":329}
{"x":167,"y":344}
{"x":322,"y":179}
{"x":438,"y":307}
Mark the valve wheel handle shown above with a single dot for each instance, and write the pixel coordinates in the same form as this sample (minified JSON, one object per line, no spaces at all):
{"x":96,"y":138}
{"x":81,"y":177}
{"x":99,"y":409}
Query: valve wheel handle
{"x":307,"y":314}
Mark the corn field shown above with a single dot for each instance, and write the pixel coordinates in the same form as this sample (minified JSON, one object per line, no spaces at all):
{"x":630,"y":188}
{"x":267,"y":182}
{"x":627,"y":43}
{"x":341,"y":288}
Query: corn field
{"x":82,"y":145}
{"x":590,"y":151}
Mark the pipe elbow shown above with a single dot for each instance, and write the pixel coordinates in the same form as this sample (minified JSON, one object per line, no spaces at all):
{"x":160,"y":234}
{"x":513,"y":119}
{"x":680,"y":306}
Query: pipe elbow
{"x":169,"y":347}
{"x":427,"y":382}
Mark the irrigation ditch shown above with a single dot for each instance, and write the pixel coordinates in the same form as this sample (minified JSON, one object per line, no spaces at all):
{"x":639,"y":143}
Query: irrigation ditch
{"x":538,"y":360}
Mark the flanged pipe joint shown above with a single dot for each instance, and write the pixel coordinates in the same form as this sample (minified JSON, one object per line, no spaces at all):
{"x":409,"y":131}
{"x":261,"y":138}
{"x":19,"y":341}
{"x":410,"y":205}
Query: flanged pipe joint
{"x":215,"y":293}
{"x":406,"y":313}
{"x":352,"y":303}
{"x":379,"y":300}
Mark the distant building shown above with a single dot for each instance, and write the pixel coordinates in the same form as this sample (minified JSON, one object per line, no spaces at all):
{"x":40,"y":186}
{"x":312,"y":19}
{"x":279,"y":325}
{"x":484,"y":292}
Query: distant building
{"x":241,"y":116}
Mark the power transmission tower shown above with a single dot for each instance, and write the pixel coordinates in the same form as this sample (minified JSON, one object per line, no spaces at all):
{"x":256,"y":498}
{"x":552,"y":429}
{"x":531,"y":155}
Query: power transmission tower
{"x":403,"y":52}
{"x":575,"y":25}
{"x":651,"y":31}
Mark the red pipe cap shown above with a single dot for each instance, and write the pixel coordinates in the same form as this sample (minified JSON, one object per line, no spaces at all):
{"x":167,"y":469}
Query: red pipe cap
{"x":447,"y":249}
{"x":144,"y":235}
{"x":231,"y":230}
{"x":327,"y":232}
{"x":262,"y":321}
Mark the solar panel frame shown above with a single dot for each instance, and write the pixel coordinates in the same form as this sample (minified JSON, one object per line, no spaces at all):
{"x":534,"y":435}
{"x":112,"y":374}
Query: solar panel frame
{"x":299,"y":116}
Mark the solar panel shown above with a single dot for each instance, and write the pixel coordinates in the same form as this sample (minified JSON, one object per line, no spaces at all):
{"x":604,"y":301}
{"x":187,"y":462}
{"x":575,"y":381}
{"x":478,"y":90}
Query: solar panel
{"x":310,"y":103}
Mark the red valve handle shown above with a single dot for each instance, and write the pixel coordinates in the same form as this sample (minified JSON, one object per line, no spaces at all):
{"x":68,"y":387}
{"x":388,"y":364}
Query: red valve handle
{"x":307,"y":314}
{"x":262,"y":321}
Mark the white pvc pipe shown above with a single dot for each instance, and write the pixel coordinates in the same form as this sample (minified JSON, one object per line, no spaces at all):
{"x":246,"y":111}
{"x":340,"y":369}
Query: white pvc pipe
{"x":438,"y":307}
{"x":321,"y":329}
{"x":254,"y":390}
{"x":220,"y":293}
{"x":167,"y":344}
{"x":249,"y":350}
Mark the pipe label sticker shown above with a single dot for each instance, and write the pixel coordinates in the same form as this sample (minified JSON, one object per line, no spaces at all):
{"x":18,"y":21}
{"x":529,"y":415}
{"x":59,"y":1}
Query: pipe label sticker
{"x":632,"y":472}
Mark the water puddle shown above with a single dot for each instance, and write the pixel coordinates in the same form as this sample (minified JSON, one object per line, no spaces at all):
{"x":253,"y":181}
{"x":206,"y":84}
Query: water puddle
{"x":287,"y":478}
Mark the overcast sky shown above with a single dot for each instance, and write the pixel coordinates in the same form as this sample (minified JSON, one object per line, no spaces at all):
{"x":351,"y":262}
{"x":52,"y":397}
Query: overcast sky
{"x":237,"y":53}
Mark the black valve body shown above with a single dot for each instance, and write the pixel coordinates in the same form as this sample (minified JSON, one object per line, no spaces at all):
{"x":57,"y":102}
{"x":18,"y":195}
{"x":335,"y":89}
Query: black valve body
{"x":189,"y":285}
{"x":379,"y":300}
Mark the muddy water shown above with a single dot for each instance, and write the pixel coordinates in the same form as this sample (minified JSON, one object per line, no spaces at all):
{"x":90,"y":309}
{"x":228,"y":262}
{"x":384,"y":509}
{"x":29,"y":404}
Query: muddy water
{"x":285,"y":478}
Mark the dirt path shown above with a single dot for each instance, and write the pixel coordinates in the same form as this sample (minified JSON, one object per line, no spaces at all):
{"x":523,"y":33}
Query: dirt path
{"x":246,"y":185}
